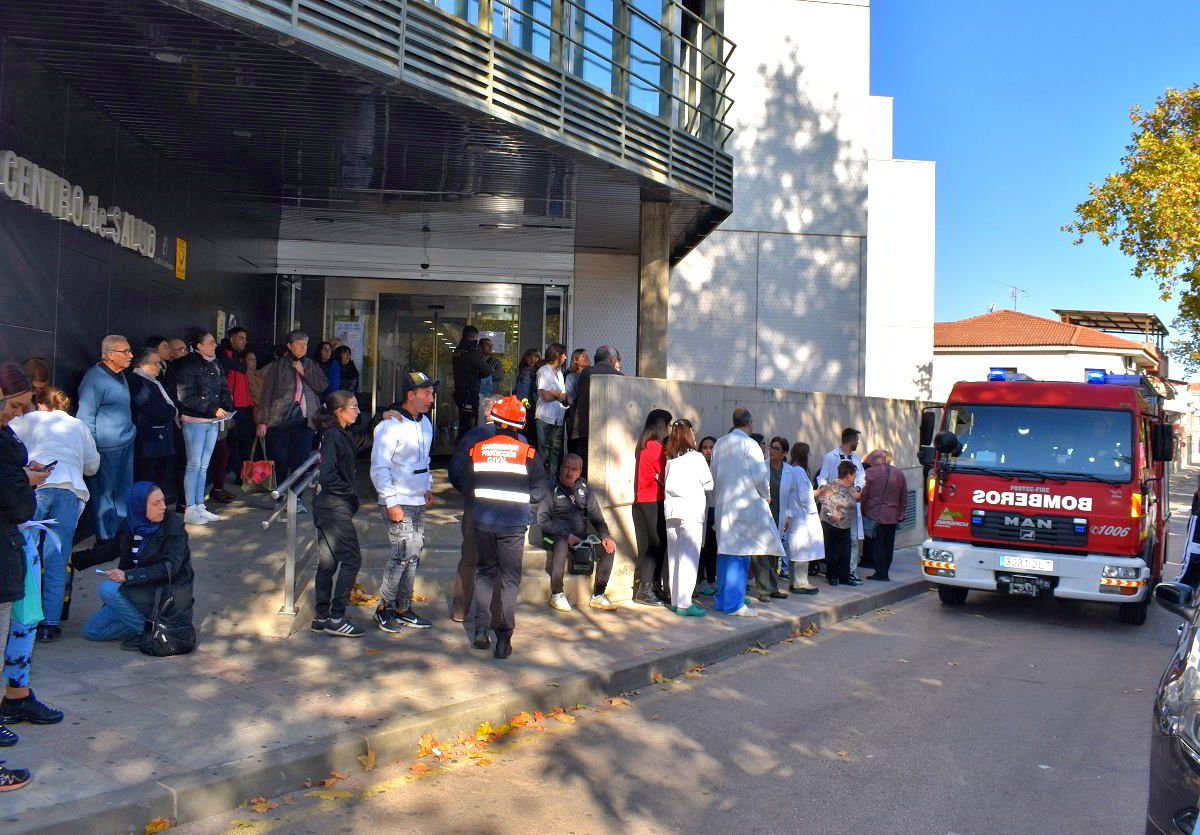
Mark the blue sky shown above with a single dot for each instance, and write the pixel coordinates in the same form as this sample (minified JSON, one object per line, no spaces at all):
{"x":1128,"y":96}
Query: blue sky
{"x":1023,"y":104}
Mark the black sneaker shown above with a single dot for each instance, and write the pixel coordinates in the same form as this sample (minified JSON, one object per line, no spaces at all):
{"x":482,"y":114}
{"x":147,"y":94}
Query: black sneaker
{"x":413,"y":620}
{"x":8,"y":738}
{"x":343,"y":628}
{"x":13,"y":778}
{"x":387,"y":620}
{"x":47,"y":633}
{"x":319,"y":624}
{"x":28,"y":709}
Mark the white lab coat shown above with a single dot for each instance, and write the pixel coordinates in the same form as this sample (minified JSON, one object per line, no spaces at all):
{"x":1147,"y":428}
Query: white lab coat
{"x":741,"y":494}
{"x":829,"y":468}
{"x":686,"y":488}
{"x":798,"y":513}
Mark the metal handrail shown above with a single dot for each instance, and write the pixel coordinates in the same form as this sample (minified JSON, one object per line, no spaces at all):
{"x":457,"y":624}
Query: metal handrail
{"x":300,"y":480}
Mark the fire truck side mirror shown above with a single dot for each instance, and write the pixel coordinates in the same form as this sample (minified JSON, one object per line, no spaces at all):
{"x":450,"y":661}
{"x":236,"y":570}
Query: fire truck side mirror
{"x":930,"y":417}
{"x":946,"y":442}
{"x":1162,"y":441}
{"x":1176,"y":598}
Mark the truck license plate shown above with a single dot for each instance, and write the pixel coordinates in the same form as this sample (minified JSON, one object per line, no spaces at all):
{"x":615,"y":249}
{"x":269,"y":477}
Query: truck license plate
{"x":1026,"y":563}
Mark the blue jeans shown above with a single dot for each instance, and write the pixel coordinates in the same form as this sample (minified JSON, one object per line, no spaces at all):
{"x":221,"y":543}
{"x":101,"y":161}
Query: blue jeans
{"x":732,"y":572}
{"x":199,"y":440}
{"x":117,"y":618}
{"x":64,"y":507}
{"x":18,"y":653}
{"x":110,"y":489}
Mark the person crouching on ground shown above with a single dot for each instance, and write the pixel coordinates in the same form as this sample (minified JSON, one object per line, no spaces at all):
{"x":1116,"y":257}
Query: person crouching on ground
{"x":154,"y":567}
{"x":504,"y":477}
{"x":563,"y":517}
{"x":333,"y":514}
{"x":400,"y":473}
{"x":687,"y":483}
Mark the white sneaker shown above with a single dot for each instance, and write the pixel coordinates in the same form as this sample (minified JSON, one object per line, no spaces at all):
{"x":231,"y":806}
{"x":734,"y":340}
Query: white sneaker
{"x":208,"y":514}
{"x":601,"y":601}
{"x":745,"y":612}
{"x":559,"y":602}
{"x":194,"y":516}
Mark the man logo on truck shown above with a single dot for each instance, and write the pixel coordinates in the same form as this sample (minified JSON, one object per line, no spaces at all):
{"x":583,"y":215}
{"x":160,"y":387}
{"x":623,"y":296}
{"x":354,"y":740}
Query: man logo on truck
{"x":1042,"y":500}
{"x":1026,"y":522}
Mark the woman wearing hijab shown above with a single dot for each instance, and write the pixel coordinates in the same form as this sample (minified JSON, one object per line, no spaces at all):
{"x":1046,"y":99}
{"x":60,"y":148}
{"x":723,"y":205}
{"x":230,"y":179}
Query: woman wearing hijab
{"x":331,"y":366}
{"x":153,"y":555}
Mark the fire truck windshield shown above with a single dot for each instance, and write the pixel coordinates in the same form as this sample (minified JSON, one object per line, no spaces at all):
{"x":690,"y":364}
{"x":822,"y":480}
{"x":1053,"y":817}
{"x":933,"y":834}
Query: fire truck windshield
{"x":1061,"y":442}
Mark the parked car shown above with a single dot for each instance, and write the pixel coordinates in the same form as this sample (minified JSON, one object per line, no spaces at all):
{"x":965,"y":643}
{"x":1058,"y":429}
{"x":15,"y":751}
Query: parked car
{"x":1175,"y":741}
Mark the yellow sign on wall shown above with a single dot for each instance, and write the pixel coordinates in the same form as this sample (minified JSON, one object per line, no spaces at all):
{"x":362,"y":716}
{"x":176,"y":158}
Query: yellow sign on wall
{"x":180,"y":259}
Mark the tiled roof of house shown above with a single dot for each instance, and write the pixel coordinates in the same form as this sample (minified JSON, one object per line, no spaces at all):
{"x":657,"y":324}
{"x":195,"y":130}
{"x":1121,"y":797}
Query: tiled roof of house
{"x":1010,"y":328}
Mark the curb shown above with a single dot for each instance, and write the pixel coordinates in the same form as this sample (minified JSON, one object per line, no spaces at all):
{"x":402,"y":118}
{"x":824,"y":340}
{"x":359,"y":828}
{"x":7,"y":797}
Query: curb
{"x":213,"y":790}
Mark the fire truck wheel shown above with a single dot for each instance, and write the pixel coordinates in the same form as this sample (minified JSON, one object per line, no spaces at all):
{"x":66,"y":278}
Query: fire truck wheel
{"x":1133,"y":613}
{"x":952,"y":595}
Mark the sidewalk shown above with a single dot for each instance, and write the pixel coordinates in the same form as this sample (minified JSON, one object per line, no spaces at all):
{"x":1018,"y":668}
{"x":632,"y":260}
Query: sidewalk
{"x":245,"y":715}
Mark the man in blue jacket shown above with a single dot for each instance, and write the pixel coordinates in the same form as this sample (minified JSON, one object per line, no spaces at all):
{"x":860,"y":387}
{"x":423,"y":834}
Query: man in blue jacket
{"x":104,"y":410}
{"x":504,"y":478}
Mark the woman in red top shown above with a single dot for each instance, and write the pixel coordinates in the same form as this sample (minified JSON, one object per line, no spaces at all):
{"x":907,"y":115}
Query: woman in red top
{"x":650,"y":577}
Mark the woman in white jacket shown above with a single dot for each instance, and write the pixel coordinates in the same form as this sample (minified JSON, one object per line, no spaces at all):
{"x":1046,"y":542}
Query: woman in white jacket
{"x":798,"y":519}
{"x":55,"y":438}
{"x":685,"y":508}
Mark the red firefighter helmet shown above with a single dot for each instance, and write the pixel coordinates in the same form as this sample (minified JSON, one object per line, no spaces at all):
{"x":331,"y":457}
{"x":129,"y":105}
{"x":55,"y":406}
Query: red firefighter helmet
{"x":508,"y":411}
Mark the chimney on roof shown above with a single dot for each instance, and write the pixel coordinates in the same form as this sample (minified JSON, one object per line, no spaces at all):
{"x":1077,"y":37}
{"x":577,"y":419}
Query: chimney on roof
{"x":1064,"y":318}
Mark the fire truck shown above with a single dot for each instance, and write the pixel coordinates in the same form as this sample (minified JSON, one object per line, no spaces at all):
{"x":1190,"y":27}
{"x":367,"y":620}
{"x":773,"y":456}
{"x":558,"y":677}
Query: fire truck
{"x":1048,"y":489}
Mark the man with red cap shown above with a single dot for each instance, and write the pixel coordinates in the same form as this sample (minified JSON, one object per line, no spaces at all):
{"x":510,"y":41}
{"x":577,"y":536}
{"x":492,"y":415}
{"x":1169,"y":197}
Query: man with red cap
{"x":505,"y":479}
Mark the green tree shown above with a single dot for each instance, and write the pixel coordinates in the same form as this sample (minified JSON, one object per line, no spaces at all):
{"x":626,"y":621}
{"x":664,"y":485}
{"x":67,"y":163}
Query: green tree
{"x":1151,"y":209}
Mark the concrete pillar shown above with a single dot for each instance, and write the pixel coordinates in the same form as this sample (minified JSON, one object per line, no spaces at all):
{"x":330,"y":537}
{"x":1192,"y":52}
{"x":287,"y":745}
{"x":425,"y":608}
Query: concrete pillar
{"x":654,"y":273}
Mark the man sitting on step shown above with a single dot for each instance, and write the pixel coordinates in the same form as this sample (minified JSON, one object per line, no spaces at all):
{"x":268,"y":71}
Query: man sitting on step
{"x":563,"y":517}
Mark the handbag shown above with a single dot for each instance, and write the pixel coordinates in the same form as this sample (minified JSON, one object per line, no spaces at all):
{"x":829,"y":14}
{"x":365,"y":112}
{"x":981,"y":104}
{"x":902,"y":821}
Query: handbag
{"x":28,"y":610}
{"x":583,"y":556}
{"x":258,"y":476}
{"x":158,"y":639}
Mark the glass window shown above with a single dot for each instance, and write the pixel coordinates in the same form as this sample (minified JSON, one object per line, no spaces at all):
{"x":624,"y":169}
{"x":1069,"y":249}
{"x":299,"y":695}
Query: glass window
{"x":524,"y":24}
{"x":466,"y":9}
{"x":591,"y":52}
{"x":1039,"y":439}
{"x":645,"y":61}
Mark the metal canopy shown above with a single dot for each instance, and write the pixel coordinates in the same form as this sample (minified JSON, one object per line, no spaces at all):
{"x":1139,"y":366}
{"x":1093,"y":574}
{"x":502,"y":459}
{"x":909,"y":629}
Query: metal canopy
{"x":282,"y":128}
{"x":1146,"y":325}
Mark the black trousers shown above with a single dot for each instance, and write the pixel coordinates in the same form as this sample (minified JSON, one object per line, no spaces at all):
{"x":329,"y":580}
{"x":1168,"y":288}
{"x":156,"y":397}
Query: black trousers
{"x":708,"y":551}
{"x":340,"y":554}
{"x":837,"y":552}
{"x":241,"y":438}
{"x":468,"y":415}
{"x":880,"y":547}
{"x":464,"y":579}
{"x":558,"y":568}
{"x":288,"y":446}
{"x":497,"y":580}
{"x":650,"y":532}
{"x":156,"y":470}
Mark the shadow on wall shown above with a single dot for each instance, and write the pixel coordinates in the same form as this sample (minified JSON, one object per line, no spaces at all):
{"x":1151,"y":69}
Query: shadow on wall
{"x":923,"y":380}
{"x":780,"y":309}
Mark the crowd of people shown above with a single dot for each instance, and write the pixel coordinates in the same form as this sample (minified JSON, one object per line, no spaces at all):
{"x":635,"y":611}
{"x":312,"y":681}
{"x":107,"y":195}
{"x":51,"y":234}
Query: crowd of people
{"x":732,"y":518}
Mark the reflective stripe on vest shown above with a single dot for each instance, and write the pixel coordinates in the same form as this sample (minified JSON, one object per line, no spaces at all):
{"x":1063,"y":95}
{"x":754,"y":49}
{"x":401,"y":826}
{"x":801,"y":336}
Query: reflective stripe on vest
{"x":500,"y":467}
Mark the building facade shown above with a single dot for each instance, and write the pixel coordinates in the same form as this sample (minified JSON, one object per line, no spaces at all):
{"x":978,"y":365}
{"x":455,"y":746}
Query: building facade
{"x":387,"y":171}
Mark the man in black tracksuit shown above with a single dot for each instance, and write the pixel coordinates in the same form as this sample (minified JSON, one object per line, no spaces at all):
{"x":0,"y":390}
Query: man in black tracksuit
{"x":470,"y":367}
{"x":563,"y":517}
{"x":504,"y":477}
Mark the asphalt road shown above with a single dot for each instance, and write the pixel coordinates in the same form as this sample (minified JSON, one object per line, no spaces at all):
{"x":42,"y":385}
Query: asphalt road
{"x":1001,"y":716}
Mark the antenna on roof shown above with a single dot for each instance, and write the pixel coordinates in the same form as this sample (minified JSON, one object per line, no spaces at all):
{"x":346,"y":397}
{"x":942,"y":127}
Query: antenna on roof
{"x":992,"y":307}
{"x":1014,"y":291}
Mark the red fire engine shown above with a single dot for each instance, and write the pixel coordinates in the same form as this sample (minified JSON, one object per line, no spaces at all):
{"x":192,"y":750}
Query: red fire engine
{"x":1049,"y":489}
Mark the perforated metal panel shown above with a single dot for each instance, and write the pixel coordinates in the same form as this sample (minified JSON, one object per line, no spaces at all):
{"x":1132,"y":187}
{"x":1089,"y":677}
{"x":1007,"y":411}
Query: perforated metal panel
{"x":606,"y":298}
{"x":910,"y":513}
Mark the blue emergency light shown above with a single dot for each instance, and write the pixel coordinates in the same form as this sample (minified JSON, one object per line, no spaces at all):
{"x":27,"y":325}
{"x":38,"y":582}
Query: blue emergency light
{"x":1097,"y":375}
{"x":1003,"y":375}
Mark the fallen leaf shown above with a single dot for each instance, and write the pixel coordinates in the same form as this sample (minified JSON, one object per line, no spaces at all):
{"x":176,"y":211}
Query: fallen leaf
{"x":238,"y":823}
{"x":368,"y":760}
{"x":476,"y":755}
{"x":521,"y":719}
{"x":425,"y":745}
{"x":374,"y":651}
{"x":418,"y":768}
{"x":693,"y":675}
{"x":657,"y":649}
{"x":360,"y":597}
{"x":657,"y":678}
{"x":618,"y":701}
{"x":483,"y":762}
{"x":553,"y":684}
{"x":159,"y":825}
{"x":329,"y":781}
{"x":421,"y":598}
{"x":579,"y":707}
{"x":260,"y":804}
{"x":565,"y":718}
{"x":484,"y":731}
{"x":538,"y":716}
{"x":557,"y":709}
{"x":654,"y":718}
{"x":336,"y":794}
{"x":338,"y":776}
{"x":951,"y":663}
{"x":843,"y":753}
{"x":759,"y":650}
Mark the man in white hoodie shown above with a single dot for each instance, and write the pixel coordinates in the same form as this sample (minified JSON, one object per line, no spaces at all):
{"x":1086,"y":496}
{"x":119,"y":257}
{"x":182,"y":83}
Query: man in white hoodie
{"x":401,"y":475}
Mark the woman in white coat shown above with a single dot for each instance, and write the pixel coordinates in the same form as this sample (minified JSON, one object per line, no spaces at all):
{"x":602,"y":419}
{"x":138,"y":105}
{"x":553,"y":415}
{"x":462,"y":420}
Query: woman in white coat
{"x":798,"y":519}
{"x":685,"y":509}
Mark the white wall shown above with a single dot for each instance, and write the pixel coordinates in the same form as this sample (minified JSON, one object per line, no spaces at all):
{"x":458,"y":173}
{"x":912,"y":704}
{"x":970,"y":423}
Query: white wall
{"x":775,"y":296}
{"x":605,"y":305}
{"x":1069,"y":366}
{"x":900,"y":268}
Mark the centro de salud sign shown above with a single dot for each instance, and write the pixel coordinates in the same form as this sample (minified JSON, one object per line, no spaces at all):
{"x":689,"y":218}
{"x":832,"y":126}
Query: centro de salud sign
{"x":40,"y":188}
